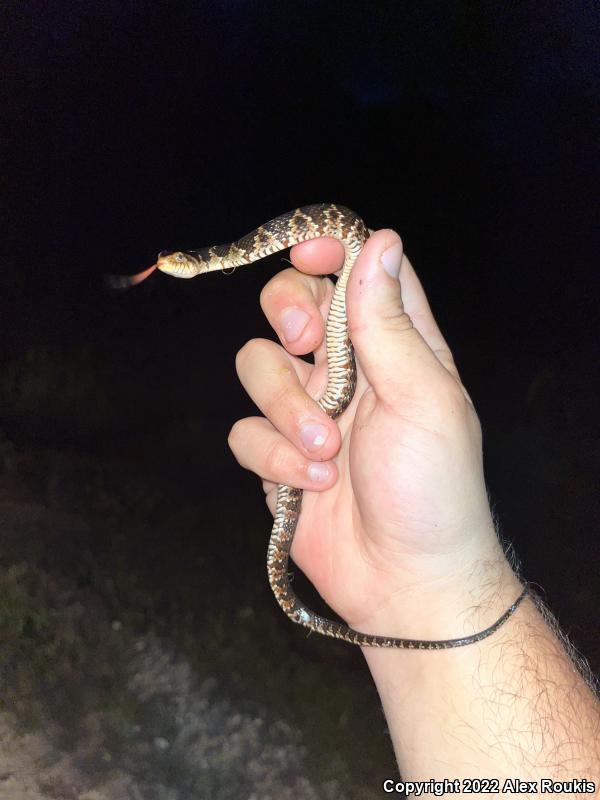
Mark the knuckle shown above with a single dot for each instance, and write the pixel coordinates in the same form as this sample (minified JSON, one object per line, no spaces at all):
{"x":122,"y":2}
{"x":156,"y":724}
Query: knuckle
{"x":394,"y":317}
{"x":249,"y":351}
{"x":277,"y":401}
{"x":241,"y":356}
{"x":266,"y":294}
{"x":274,"y":460}
{"x":234,"y":431}
{"x":236,"y":435}
{"x":278,"y":282}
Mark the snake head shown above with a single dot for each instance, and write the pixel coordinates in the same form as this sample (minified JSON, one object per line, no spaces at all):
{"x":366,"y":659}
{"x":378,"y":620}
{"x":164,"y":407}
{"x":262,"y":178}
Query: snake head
{"x":178,"y":264}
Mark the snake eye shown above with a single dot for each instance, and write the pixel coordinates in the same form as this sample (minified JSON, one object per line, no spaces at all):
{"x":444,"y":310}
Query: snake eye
{"x":179,"y":257}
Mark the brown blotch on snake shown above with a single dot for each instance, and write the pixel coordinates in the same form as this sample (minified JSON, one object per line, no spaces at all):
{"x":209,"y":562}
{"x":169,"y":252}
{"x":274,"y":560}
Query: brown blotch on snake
{"x":300,"y":225}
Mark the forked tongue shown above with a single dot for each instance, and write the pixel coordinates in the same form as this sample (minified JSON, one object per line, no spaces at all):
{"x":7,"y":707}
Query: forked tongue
{"x":127,"y":281}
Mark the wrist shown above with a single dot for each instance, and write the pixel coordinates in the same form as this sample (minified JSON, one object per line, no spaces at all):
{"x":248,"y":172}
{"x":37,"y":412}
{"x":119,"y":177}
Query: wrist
{"x":460,"y":601}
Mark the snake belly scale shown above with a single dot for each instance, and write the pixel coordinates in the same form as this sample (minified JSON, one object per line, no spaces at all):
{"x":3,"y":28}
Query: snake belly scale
{"x":300,"y":225}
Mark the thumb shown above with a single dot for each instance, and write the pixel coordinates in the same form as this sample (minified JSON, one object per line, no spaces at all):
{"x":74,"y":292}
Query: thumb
{"x":392,"y":353}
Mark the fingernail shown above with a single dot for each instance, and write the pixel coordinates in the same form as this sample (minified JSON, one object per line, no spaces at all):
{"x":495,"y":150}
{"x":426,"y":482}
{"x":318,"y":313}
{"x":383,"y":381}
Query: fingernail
{"x":318,"y":472}
{"x":391,"y":260}
{"x":294,"y":320}
{"x":313,"y":435}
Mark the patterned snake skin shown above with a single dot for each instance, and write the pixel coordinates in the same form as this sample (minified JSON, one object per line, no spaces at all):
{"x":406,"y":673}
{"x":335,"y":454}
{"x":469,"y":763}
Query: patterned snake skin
{"x":286,"y":230}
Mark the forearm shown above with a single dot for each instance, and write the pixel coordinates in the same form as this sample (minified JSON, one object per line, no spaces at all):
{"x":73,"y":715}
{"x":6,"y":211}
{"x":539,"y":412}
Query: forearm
{"x":513,"y":705}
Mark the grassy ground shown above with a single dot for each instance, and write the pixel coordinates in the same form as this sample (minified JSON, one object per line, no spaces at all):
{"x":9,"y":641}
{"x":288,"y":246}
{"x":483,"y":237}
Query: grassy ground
{"x":96,"y":560}
{"x":142,"y":652}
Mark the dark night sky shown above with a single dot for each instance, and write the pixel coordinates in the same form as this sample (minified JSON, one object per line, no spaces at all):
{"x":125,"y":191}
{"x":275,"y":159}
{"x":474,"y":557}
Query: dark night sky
{"x":466,"y":126}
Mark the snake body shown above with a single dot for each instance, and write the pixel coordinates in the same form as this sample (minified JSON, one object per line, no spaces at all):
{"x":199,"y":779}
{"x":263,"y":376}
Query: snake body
{"x":300,"y":225}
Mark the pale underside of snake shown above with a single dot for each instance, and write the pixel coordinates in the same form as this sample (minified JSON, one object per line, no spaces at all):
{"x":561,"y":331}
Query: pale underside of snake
{"x":300,"y":225}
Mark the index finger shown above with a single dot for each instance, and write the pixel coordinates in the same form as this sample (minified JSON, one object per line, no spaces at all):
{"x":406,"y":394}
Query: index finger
{"x":318,"y":256}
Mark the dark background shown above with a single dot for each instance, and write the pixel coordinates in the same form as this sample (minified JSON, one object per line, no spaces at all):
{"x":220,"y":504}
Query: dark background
{"x":469,"y":127}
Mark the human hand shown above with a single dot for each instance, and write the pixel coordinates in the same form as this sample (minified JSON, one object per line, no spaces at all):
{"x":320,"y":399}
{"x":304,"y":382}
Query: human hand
{"x":398,"y":537}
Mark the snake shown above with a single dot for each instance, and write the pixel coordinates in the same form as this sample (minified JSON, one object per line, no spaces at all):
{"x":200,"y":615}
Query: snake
{"x":300,"y":225}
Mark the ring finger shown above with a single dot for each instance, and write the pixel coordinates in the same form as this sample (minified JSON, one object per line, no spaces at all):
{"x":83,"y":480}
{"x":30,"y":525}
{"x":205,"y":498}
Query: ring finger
{"x":258,"y":447}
